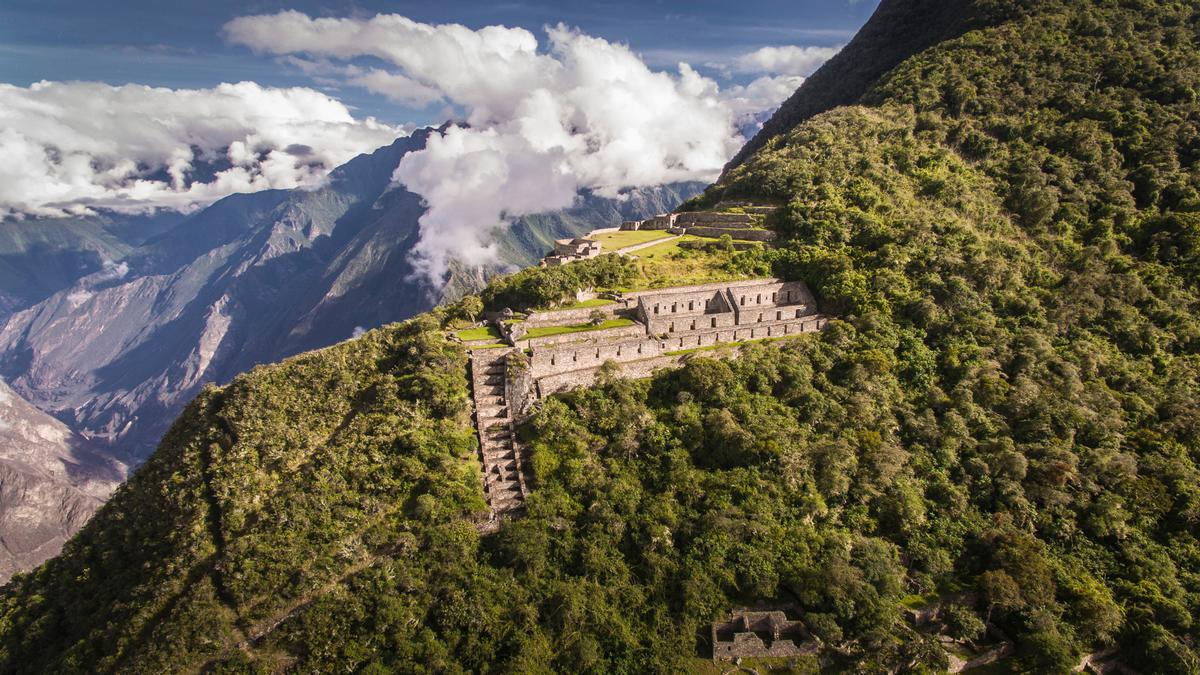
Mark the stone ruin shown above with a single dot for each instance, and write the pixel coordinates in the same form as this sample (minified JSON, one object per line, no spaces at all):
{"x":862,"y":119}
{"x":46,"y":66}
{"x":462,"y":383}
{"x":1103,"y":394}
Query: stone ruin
{"x":744,"y":223}
{"x":665,"y":323}
{"x":760,"y":633}
{"x":663,"y":326}
{"x":567,"y":251}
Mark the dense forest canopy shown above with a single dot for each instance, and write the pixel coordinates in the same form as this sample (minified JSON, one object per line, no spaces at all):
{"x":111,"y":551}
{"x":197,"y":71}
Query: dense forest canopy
{"x":1008,"y":408}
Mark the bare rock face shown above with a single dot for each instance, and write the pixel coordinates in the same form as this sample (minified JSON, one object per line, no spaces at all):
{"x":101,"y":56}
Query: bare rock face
{"x":51,"y":481}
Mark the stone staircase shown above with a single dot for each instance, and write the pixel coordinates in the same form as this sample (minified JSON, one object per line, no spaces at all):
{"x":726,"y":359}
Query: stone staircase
{"x":500,"y":456}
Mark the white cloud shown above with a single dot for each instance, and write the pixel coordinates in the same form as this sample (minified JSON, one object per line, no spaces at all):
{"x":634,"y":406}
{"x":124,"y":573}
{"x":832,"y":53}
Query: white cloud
{"x":68,"y":147}
{"x":753,"y":103}
{"x":396,"y":87}
{"x":541,"y":123}
{"x":789,"y":60}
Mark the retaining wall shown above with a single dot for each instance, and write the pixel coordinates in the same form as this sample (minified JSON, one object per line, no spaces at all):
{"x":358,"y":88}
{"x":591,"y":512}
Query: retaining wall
{"x":554,"y":384}
{"x":606,"y":335}
{"x":714,"y":286}
{"x":565,"y":358}
{"x":569,"y":317}
{"x":710,"y":217}
{"x":742,"y":234}
{"x":559,"y":381}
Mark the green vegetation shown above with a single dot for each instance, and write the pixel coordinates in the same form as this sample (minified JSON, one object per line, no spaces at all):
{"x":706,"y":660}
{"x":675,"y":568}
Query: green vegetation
{"x":340,"y":463}
{"x":479,"y":333}
{"x":585,"y":304}
{"x":612,"y":241}
{"x":1009,"y":407}
{"x":544,"y":331}
{"x":545,"y":287}
{"x":670,"y":264}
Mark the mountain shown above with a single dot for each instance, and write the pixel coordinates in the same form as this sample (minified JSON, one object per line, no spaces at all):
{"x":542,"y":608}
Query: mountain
{"x":118,"y":321}
{"x":252,"y":279}
{"x":896,"y":31}
{"x":51,"y":481}
{"x":39,"y":257}
{"x":998,"y":430}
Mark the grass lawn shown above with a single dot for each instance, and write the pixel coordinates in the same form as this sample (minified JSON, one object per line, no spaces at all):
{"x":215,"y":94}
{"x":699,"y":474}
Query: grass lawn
{"x":594,"y":302}
{"x":578,"y":328}
{"x":612,"y":241}
{"x":667,"y":265}
{"x":481,"y":333}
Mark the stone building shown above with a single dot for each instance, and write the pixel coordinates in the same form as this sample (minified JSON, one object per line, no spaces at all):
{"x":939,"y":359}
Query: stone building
{"x":665,"y":323}
{"x":659,"y":330}
{"x":570,"y":250}
{"x":751,"y":634}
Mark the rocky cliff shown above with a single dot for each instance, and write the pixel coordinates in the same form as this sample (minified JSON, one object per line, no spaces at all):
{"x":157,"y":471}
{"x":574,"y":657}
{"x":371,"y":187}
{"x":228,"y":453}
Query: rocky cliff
{"x":51,"y":481}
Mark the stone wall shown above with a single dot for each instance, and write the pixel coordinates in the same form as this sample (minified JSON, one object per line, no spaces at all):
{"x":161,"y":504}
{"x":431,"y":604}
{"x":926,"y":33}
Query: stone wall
{"x":659,"y":222}
{"x":775,"y":329}
{"x":592,"y":354}
{"x":711,"y":218}
{"x":573,"y":365}
{"x":743,"y":234}
{"x":569,"y":317}
{"x":707,"y":301}
{"x":713,"y":286}
{"x":607,"y":334}
{"x":685,"y":323}
{"x":553,"y":384}
{"x":776,"y":293}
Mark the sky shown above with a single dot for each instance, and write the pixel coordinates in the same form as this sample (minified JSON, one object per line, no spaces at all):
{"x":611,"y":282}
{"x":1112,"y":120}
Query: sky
{"x":127,"y":107}
{"x":140,"y":41}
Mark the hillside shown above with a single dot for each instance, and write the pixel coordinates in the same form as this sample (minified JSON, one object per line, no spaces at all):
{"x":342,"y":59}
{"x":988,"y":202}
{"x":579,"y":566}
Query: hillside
{"x":120,"y":320}
{"x":1004,"y":417}
{"x":896,"y":31}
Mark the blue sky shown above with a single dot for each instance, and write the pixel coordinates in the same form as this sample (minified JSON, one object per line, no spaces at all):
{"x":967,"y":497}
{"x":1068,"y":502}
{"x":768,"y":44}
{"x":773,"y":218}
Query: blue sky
{"x":180,"y":44}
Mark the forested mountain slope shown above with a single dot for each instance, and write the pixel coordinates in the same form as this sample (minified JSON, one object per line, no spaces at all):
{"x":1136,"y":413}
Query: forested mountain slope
{"x":896,"y":31}
{"x":1008,"y":410}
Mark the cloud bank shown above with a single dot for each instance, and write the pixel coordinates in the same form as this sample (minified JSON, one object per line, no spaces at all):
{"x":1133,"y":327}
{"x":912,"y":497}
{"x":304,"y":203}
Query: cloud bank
{"x":542,"y":121}
{"x":69,"y":147}
{"x":788,"y":60}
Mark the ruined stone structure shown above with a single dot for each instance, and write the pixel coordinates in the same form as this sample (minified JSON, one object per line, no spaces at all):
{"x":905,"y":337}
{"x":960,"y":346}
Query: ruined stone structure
{"x":745,"y":223}
{"x":665,"y":323}
{"x":662,"y":327}
{"x":570,"y":250}
{"x":750,"y":634}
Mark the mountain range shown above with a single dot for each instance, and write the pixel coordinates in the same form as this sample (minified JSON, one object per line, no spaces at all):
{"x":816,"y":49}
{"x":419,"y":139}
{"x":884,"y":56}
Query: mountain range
{"x":115,"y":322}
